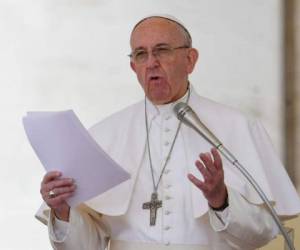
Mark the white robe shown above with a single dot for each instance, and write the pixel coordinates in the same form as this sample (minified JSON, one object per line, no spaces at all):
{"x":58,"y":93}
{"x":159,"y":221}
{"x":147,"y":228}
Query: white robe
{"x":248,"y":141}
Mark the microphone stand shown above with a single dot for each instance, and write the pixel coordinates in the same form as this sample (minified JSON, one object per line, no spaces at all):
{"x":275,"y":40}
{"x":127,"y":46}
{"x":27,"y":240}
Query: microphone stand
{"x":181,"y":109}
{"x":226,"y":153}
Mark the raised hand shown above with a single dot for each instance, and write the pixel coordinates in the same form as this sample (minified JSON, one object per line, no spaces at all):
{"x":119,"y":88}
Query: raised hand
{"x":213,"y":186}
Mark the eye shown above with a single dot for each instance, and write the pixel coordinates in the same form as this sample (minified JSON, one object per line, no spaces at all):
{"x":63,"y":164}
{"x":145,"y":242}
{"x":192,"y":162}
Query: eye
{"x":140,"y":54}
{"x":162,"y":51}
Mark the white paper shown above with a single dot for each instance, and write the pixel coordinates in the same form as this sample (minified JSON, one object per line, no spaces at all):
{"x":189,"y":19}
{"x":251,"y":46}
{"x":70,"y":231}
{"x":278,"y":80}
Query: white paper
{"x":62,"y":143}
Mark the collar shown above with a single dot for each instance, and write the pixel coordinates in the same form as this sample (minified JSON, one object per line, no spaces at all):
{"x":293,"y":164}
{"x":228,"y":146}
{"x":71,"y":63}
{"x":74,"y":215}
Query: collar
{"x":154,"y":111}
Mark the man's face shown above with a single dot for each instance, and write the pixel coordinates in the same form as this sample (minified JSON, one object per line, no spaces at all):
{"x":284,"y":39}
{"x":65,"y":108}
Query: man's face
{"x":164,"y":79}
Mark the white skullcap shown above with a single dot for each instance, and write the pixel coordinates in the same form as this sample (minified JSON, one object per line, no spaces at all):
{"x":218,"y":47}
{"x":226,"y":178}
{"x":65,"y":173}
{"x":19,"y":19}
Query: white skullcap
{"x":168,"y":17}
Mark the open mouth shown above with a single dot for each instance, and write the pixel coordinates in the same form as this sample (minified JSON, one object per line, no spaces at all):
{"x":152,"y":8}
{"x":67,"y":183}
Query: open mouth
{"x":154,"y":78}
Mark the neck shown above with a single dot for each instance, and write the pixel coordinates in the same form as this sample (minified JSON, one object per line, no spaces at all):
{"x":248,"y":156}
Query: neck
{"x":182,"y":93}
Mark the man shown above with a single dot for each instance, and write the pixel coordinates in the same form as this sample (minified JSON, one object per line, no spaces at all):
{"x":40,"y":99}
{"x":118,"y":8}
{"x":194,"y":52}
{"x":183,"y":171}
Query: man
{"x":195,"y":201}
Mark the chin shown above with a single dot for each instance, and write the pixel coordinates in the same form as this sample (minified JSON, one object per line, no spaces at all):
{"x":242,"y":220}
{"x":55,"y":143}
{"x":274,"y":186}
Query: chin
{"x":159,"y":98}
{"x":159,"y":101}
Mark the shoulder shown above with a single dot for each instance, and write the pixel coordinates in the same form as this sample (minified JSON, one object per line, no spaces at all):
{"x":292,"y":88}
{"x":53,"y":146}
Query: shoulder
{"x":118,"y":121}
{"x":214,"y":110}
{"x":226,"y":122}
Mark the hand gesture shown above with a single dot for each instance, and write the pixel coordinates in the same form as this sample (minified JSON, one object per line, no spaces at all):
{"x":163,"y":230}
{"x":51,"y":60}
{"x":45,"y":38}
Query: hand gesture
{"x":213,"y":186}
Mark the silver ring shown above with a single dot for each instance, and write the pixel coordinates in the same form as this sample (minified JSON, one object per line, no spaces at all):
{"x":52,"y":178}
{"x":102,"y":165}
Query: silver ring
{"x":51,"y":194}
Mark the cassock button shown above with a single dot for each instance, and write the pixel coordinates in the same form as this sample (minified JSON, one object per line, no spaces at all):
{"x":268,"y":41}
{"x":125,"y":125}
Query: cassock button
{"x":167,"y":212}
{"x":167,"y":197}
{"x":168,"y":186}
{"x":167,"y":228}
{"x":167,"y":130}
{"x":167,"y":143}
{"x":167,"y":243}
{"x":168,"y":117}
{"x":167,"y":171}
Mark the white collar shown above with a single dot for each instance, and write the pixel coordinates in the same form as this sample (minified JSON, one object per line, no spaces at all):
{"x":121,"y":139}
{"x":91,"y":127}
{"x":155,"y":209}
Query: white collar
{"x":154,"y":111}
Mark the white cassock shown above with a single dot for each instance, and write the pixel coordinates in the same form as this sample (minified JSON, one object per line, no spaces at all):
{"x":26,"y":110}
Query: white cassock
{"x":185,"y":221}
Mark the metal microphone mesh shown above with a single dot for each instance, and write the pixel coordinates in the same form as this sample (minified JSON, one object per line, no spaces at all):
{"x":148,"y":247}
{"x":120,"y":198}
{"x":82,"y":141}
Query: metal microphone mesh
{"x":186,"y":114}
{"x":180,"y":110}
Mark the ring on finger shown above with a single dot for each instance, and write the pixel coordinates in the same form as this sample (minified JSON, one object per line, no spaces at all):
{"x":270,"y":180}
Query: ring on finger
{"x":51,"y":194}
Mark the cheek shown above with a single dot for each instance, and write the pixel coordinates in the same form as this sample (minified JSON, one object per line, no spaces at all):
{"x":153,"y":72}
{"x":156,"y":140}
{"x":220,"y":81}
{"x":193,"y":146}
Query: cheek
{"x":141,"y":77}
{"x":176,"y":75}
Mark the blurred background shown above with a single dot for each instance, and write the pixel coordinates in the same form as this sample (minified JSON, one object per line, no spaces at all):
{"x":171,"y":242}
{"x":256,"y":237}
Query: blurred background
{"x":72,"y":54}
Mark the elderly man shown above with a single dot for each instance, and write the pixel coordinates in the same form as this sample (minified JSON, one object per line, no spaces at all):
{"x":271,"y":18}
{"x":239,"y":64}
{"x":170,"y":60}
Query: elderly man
{"x":180,"y":195}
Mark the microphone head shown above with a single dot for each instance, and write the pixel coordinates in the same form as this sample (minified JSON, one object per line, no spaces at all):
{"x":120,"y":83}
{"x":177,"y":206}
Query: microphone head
{"x":186,"y":115}
{"x":180,"y":109}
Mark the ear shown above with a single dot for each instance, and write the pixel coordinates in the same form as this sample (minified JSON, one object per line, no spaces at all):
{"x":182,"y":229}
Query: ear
{"x":192,"y":58}
{"x":132,"y":65}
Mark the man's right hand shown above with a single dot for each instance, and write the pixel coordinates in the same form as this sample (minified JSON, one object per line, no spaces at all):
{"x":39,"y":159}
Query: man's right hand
{"x":62,"y":189}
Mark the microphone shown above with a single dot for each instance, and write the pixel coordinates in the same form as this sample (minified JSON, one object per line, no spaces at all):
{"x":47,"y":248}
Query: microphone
{"x":187,"y":116}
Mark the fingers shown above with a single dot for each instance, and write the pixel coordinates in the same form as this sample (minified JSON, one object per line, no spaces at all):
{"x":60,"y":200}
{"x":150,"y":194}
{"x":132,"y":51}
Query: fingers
{"x":61,"y":189}
{"x":217,"y":158}
{"x":208,"y":162}
{"x":52,"y":185}
{"x":59,"y":201}
{"x":212,"y":185}
{"x":197,"y":183}
{"x":212,"y":164}
{"x":51,"y":176}
{"x":204,"y":171}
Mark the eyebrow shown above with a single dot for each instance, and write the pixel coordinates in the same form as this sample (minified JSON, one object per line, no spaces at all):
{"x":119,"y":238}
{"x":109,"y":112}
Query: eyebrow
{"x":162,"y":44}
{"x":156,"y":45}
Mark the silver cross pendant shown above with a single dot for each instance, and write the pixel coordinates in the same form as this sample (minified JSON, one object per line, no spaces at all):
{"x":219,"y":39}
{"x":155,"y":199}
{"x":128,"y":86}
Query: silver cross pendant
{"x":153,"y":205}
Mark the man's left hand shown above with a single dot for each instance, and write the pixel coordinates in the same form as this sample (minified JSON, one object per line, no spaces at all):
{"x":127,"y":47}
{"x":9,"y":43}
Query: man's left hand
{"x":213,"y":185}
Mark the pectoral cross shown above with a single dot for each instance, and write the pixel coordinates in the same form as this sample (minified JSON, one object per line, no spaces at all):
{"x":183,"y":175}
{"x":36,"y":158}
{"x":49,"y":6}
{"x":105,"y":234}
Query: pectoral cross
{"x":153,"y":205}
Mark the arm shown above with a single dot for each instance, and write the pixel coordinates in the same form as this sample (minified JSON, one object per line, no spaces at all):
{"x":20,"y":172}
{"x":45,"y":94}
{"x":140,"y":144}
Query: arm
{"x":70,"y":229}
{"x":84,"y":230}
{"x":241,"y":224}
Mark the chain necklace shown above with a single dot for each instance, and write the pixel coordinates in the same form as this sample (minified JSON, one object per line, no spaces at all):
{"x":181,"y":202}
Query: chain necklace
{"x":154,"y":204}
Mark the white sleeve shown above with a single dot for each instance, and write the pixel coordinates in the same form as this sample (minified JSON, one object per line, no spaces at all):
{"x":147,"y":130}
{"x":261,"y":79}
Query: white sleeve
{"x":60,"y":229}
{"x":243,"y":225}
{"x":83,"y":231}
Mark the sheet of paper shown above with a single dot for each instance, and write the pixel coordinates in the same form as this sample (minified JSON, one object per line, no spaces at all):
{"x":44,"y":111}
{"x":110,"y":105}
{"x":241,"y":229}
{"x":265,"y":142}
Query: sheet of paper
{"x":62,"y":143}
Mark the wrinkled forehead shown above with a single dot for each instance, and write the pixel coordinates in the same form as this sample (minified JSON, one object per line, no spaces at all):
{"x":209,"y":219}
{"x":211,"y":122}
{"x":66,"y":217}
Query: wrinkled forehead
{"x":159,"y":27}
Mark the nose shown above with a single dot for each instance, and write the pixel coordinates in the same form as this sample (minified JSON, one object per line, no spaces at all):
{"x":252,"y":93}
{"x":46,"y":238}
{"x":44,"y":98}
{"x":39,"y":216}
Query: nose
{"x":152,"y":61}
